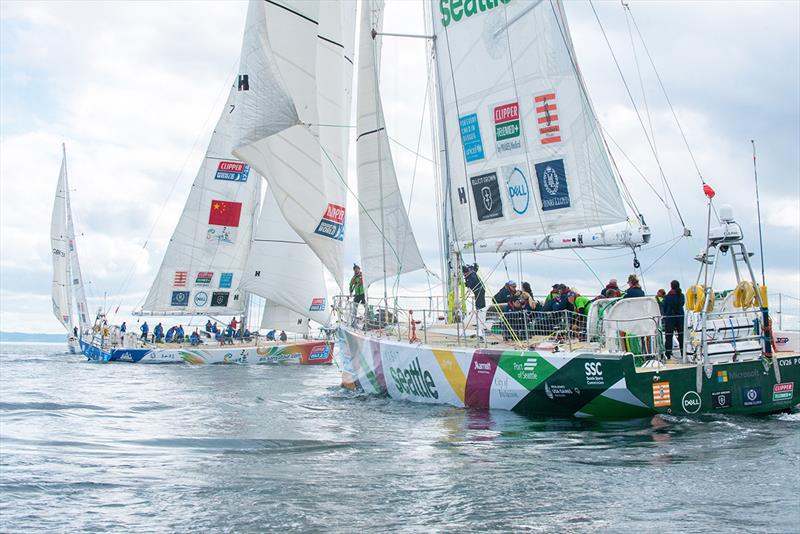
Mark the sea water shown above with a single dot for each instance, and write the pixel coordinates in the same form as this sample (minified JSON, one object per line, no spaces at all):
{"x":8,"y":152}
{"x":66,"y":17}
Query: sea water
{"x":137,"y":448}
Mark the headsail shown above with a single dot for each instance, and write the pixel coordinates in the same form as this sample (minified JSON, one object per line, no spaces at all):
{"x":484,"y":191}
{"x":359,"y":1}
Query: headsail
{"x":294,"y":92}
{"x":76,"y":277}
{"x":525,"y":153}
{"x":277,"y":317}
{"x":205,"y":258}
{"x":59,"y":241}
{"x":388,"y":247}
{"x":283,"y":269}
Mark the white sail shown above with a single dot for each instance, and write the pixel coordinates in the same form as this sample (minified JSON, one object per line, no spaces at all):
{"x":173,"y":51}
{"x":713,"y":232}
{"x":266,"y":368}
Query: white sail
{"x":205,"y":258}
{"x":76,"y":277}
{"x":283,"y":269}
{"x":525,"y":153}
{"x":277,"y":317}
{"x":294,"y":93}
{"x":59,"y":241}
{"x":388,"y":247}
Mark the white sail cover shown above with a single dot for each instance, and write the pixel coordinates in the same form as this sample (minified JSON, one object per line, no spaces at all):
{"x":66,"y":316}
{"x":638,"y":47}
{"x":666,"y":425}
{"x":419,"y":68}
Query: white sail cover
{"x":525,"y":153}
{"x":294,"y":92}
{"x":76,"y":281}
{"x":277,"y":317}
{"x":283,"y":269}
{"x":205,"y":258}
{"x":59,"y":241}
{"x":387,"y":240}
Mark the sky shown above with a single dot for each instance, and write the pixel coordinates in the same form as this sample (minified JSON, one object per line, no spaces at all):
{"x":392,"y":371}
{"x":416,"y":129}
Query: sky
{"x":134,"y":89}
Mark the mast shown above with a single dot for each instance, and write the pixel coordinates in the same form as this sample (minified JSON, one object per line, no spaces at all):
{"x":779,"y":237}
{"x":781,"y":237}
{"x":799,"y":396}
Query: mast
{"x":447,"y":248}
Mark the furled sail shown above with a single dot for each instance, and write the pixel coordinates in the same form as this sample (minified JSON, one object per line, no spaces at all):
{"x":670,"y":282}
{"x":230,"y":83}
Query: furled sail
{"x":59,"y":241}
{"x":388,"y":247}
{"x":294,"y":91}
{"x":525,"y":153}
{"x":205,"y":258}
{"x":283,"y":269}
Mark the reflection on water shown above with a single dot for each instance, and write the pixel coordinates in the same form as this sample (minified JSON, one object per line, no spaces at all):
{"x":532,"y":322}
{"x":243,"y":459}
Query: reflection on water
{"x":283,"y":448}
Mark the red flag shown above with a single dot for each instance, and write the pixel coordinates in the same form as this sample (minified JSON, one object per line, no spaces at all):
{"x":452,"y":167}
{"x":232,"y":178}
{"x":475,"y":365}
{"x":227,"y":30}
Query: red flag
{"x":225,"y":213}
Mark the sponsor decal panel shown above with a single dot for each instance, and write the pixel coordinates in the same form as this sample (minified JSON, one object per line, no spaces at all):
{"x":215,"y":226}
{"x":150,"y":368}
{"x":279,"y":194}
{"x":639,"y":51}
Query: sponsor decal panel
{"x":751,"y":396}
{"x":661,"y":395}
{"x":517,"y":187}
{"x":553,"y":185}
{"x":413,"y":380}
{"x":783,"y":391}
{"x":721,"y":399}
{"x":317,"y":304}
{"x":507,"y":136}
{"x":594,"y":373}
{"x":203,"y":278}
{"x":456,"y":10}
{"x":219,"y":298}
{"x":691,"y":402}
{"x":547,"y":118}
{"x":319,"y":352}
{"x":180,"y":298}
{"x":479,"y":379}
{"x":223,"y":220}
{"x":180,"y":278}
{"x":486,"y":193}
{"x":200,"y":298}
{"x":225,"y":280}
{"x":332,"y":223}
{"x":232,"y":171}
{"x":471,"y":137}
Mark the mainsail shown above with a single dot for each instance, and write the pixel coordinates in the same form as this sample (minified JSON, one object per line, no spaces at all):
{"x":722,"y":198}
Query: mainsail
{"x":525,"y":153}
{"x":205,"y":258}
{"x":60,"y":243}
{"x":277,"y":317}
{"x":294,"y":92}
{"x":284,"y":270}
{"x":388,"y":247}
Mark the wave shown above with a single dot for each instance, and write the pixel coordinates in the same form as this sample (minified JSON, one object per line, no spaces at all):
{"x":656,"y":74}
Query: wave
{"x":48,"y":406}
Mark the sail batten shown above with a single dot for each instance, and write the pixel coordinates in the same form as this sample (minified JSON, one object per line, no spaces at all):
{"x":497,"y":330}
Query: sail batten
{"x":388,"y":246}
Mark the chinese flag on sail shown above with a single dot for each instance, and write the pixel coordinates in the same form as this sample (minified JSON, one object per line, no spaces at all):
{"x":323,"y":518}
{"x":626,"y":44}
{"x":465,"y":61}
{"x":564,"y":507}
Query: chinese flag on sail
{"x":224,"y":213}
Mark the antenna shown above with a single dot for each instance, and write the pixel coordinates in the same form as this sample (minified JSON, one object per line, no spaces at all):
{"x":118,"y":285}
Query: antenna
{"x":758,"y":210}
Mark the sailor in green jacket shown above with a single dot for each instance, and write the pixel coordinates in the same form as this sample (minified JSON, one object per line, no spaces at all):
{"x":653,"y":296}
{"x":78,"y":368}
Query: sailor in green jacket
{"x":357,"y":291}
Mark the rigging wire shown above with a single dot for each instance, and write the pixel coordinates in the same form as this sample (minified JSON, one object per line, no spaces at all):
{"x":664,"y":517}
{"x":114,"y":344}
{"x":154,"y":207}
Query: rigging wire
{"x":636,"y":109}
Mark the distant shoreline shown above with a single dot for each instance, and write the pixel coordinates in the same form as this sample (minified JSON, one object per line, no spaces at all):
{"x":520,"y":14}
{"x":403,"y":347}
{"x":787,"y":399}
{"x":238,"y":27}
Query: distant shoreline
{"x":25,"y":337}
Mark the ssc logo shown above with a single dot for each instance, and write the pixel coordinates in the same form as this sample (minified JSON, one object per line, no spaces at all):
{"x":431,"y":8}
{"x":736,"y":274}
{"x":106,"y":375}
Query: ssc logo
{"x":691,"y":402}
{"x":550,"y":181}
{"x":201,"y":298}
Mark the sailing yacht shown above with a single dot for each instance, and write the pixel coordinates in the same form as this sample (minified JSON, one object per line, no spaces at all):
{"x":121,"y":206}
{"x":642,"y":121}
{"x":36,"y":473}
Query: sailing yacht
{"x":523,"y":166}
{"x":69,"y":295}
{"x":233,"y":240}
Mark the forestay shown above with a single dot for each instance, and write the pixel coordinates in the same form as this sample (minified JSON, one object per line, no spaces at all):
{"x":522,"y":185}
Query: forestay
{"x":283,"y":269}
{"x":525,"y":153}
{"x":59,"y":241}
{"x":294,"y":91}
{"x":206,"y":255}
{"x":388,"y":247}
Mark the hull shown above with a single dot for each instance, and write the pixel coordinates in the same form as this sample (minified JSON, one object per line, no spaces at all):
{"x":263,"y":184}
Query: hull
{"x":565,"y":384}
{"x":306,"y":353}
{"x":73,"y":345}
